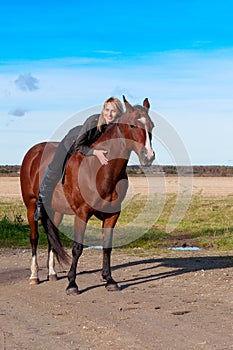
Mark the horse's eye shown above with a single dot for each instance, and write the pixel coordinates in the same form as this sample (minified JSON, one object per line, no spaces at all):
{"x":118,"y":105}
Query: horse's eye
{"x":132,"y":126}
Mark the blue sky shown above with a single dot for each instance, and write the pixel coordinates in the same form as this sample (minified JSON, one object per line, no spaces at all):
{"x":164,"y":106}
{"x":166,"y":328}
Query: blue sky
{"x":58,"y":58}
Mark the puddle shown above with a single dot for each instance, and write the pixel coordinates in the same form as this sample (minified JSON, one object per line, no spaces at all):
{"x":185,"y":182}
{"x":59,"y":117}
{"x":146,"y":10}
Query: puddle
{"x":171,"y":248}
{"x":184,"y":248}
{"x":94,"y":247}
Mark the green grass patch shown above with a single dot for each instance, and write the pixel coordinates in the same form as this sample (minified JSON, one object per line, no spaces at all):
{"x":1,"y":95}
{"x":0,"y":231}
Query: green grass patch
{"x":15,"y":234}
{"x":15,"y":231}
{"x":208,"y":223}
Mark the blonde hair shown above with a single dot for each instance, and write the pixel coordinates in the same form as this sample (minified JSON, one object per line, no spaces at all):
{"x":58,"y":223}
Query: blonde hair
{"x":117,"y":106}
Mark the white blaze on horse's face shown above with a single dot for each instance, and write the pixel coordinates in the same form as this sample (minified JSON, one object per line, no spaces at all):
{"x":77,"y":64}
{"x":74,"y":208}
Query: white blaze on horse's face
{"x":150,"y":151}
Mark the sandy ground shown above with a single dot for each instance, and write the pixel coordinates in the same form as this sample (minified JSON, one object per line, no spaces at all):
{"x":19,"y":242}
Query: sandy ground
{"x":173,"y":300}
{"x":168,"y":300}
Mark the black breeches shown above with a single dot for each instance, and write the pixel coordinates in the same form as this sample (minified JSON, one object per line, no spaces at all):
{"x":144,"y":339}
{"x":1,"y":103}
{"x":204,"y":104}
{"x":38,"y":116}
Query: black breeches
{"x":58,"y":162}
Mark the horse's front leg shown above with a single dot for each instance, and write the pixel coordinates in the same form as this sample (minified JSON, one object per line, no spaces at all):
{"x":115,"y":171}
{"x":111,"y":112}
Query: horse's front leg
{"x":77,"y":250}
{"x":79,"y":229}
{"x":111,"y":284}
{"x":108,"y":226}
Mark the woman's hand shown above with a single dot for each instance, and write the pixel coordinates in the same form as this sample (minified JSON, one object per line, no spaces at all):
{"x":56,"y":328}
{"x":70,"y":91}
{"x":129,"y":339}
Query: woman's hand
{"x":100,"y":154}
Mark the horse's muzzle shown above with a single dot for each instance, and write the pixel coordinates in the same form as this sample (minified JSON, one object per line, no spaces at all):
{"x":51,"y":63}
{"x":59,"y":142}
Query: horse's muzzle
{"x":146,"y":158}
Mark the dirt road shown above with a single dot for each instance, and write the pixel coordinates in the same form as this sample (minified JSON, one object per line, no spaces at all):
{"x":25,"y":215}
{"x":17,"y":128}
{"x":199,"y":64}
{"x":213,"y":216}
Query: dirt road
{"x":174,"y":300}
{"x":171,"y":300}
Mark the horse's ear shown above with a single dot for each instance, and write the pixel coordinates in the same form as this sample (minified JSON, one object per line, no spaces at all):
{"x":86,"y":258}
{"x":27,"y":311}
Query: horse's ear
{"x":146,"y":103}
{"x":128,"y":106}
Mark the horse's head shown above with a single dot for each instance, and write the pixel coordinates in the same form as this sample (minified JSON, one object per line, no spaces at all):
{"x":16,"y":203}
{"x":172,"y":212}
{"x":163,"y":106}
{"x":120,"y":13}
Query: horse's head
{"x":137,"y":130}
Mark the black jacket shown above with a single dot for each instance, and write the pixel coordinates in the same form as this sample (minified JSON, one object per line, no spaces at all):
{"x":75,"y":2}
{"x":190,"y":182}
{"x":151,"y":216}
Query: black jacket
{"x":81,"y":137}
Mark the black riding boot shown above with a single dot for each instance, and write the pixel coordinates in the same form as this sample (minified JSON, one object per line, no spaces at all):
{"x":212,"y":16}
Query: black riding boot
{"x":47,"y":186}
{"x":52,"y":175}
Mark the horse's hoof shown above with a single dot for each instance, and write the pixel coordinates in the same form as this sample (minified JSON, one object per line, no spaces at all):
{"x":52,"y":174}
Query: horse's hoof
{"x":102,"y":278}
{"x":34,"y":281}
{"x":53,"y":277}
{"x":112,"y":287}
{"x":72,"y":291}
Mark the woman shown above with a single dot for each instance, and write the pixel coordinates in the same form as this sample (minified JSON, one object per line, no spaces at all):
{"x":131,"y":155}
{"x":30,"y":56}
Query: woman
{"x":80,"y":138}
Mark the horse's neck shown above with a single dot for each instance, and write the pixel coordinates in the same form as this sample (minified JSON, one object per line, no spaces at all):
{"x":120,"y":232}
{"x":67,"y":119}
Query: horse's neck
{"x":114,"y":143}
{"x":111,"y":175}
{"x":111,"y":132}
{"x":117,"y":168}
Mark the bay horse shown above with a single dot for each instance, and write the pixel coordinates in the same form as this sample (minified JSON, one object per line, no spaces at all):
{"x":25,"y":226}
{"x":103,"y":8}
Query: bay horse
{"x":88,"y":189}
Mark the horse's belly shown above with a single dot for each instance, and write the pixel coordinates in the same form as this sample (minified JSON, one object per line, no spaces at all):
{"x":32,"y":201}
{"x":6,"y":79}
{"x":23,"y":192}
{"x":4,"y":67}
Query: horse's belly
{"x":59,"y":201}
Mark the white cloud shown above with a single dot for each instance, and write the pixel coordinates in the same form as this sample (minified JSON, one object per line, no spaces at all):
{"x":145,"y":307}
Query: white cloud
{"x":26,"y":82}
{"x":18,"y":112}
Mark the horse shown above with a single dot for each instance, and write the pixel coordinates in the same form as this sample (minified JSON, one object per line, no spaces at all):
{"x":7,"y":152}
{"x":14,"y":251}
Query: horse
{"x":88,"y":189}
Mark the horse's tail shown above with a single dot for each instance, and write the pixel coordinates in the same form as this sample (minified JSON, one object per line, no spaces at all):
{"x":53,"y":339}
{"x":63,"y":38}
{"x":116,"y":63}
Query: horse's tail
{"x":54,"y":238}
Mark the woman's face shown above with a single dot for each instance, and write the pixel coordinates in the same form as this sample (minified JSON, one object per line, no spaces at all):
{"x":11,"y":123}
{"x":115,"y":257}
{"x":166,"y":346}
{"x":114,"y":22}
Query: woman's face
{"x":109,"y":112}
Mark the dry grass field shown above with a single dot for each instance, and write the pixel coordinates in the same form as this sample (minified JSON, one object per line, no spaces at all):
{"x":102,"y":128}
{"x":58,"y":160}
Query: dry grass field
{"x":207,"y":186}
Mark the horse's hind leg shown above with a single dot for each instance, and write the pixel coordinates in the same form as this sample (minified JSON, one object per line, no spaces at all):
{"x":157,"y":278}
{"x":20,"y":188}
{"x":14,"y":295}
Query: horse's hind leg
{"x":52,"y":275}
{"x":34,"y":236}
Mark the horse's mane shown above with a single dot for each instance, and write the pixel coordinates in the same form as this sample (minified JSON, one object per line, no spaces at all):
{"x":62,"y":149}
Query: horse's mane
{"x":140,"y":107}
{"x":107,"y":134}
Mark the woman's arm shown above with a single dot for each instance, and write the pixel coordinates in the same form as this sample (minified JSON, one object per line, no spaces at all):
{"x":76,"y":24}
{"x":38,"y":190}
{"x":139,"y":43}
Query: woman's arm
{"x":87,"y":136}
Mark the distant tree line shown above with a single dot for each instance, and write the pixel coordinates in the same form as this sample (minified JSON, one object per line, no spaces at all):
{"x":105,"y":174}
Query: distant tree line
{"x":136,"y":170}
{"x":9,"y":170}
{"x":171,"y":170}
